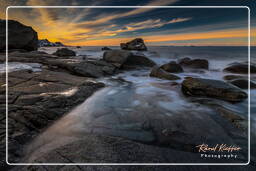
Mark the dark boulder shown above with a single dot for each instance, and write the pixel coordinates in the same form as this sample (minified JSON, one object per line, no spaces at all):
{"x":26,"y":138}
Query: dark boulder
{"x":136,"y":44}
{"x":194,"y":63}
{"x":139,"y":60}
{"x":116,"y":57}
{"x":243,"y":83}
{"x":172,"y":67}
{"x":120,"y":58}
{"x":105,"y":48}
{"x":240,"y":68}
{"x":19,"y":36}
{"x":160,"y":73}
{"x":64,"y":52}
{"x":212,"y":88}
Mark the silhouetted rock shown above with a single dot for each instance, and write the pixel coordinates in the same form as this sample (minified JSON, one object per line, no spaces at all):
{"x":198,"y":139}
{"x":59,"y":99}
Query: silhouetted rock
{"x":136,"y":44}
{"x":240,"y":68}
{"x":64,"y":52}
{"x":106,"y":48}
{"x":212,"y":88}
{"x":172,"y":67}
{"x":19,"y":36}
{"x":160,"y":73}
{"x":194,"y":63}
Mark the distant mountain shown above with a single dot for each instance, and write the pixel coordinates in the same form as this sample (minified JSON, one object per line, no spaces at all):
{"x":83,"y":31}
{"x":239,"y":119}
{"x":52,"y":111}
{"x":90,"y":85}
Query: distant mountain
{"x":47,"y":43}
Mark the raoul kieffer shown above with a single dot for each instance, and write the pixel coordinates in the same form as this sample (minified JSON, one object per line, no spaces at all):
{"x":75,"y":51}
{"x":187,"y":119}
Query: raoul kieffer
{"x":218,"y":147}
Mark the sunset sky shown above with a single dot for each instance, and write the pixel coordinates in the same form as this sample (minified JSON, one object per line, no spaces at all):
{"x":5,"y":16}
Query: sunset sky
{"x":109,"y":27}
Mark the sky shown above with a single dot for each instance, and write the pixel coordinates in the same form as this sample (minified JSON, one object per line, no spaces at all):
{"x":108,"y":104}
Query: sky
{"x":157,"y":26}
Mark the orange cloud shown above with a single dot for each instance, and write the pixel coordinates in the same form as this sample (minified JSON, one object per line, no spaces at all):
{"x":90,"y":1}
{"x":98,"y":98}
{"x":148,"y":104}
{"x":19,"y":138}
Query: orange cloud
{"x":220,"y":34}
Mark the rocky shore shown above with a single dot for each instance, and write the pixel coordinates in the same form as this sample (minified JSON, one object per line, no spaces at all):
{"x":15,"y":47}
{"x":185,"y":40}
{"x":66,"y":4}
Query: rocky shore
{"x":36,"y":99}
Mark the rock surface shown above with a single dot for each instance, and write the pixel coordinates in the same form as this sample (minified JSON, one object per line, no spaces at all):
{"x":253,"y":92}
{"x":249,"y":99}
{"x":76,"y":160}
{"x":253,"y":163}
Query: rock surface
{"x":139,"y":60}
{"x":47,"y":43}
{"x":136,"y":44}
{"x":172,"y":67}
{"x":160,"y":73}
{"x":240,"y":68}
{"x":243,"y":83}
{"x":64,"y":52}
{"x":19,"y":36}
{"x":194,"y":63}
{"x":116,"y":57}
{"x":212,"y":88}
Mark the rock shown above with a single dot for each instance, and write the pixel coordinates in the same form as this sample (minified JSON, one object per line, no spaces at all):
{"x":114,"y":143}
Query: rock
{"x":243,"y":83}
{"x":64,"y":52}
{"x":233,"y":77}
{"x":212,"y":88}
{"x":78,"y":46}
{"x":240,"y":68}
{"x":139,"y":60}
{"x":160,"y":73}
{"x":116,"y":57}
{"x":19,"y":36}
{"x":106,"y":48}
{"x":47,"y":43}
{"x":172,"y":67}
{"x":194,"y":63}
{"x":136,"y":44}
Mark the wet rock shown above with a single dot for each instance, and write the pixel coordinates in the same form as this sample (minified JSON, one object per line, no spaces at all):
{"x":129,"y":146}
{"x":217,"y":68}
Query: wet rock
{"x":194,"y":63}
{"x":240,"y":68}
{"x":19,"y":36}
{"x":212,"y":88}
{"x":160,"y":73}
{"x":233,"y":77}
{"x":106,"y":48}
{"x":116,"y":57}
{"x":139,"y":60}
{"x":64,"y":52}
{"x":136,"y":44}
{"x":172,"y":67}
{"x":243,"y":83}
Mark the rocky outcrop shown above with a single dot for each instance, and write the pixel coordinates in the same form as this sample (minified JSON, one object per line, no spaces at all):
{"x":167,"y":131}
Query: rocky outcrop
{"x":172,"y":67}
{"x":64,"y":52}
{"x":136,"y":44}
{"x":47,"y":43}
{"x":194,"y":63}
{"x":240,"y":68}
{"x":36,"y":99}
{"x":121,"y":58}
{"x":212,"y":88}
{"x":160,"y":73}
{"x":19,"y":36}
{"x":243,"y":83}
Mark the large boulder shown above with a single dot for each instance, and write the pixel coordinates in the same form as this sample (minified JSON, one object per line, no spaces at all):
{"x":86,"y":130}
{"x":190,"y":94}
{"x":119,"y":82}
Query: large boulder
{"x":139,"y":60}
{"x":243,"y":83}
{"x":64,"y":52}
{"x":136,"y":44}
{"x":105,"y":48}
{"x":160,"y":73}
{"x":194,"y":63}
{"x":172,"y":67}
{"x":19,"y":36}
{"x":120,"y":58}
{"x":240,"y":68}
{"x":116,"y":57}
{"x":212,"y":88}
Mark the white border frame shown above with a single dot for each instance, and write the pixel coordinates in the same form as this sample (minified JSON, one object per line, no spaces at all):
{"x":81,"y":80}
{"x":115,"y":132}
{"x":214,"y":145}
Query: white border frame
{"x":131,"y":7}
